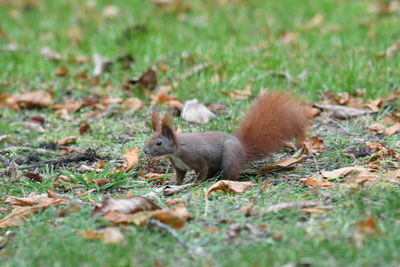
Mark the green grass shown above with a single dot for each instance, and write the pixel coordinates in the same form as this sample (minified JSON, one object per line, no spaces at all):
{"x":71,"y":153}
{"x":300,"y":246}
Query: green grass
{"x":241,"y":41}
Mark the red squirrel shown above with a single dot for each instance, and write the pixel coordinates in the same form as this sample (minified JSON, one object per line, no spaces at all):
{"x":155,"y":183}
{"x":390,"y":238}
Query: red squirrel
{"x":272,"y":120}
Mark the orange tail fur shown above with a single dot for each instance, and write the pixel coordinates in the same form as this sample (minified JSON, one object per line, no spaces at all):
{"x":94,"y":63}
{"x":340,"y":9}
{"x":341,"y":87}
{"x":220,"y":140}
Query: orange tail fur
{"x":272,"y":120}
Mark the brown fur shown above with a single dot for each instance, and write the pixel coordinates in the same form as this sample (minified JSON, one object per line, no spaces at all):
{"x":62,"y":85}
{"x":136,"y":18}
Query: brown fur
{"x":272,"y":120}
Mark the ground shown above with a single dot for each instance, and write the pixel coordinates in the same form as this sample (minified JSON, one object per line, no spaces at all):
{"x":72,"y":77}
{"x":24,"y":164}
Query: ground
{"x":204,"y":50}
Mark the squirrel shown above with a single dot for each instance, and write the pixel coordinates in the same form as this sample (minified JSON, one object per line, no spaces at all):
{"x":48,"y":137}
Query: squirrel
{"x":273,"y":119}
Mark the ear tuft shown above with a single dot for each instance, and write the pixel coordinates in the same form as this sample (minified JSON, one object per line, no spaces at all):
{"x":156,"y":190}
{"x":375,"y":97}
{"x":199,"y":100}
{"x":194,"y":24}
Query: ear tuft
{"x":166,"y":128}
{"x":155,"y":120}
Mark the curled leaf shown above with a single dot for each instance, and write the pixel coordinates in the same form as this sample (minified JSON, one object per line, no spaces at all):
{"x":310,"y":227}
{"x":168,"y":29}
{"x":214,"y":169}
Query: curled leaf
{"x":229,"y":186}
{"x":131,"y":158}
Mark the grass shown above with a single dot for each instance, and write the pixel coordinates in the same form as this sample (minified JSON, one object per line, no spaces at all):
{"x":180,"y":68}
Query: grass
{"x":242,"y":42}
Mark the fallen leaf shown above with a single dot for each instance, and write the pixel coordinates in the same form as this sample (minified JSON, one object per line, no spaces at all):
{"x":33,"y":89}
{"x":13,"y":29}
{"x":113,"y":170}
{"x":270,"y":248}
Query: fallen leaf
{"x":393,"y":129}
{"x":162,"y":97}
{"x":196,"y":112}
{"x":131,"y":158}
{"x":377,"y":127}
{"x":174,"y":201}
{"x":229,"y":186}
{"x":84,"y":128}
{"x":133,"y":103}
{"x":109,"y":235}
{"x":314,"y":145}
{"x":101,"y":64}
{"x":101,"y":181}
{"x":61,"y":71}
{"x":50,"y":53}
{"x":343,"y":112}
{"x":149,"y":79}
{"x":240,"y":94}
{"x":71,"y":106}
{"x":34,"y":176}
{"x":33,"y":99}
{"x":24,"y":206}
{"x":67,"y":140}
{"x":284,"y":163}
{"x":316,"y":182}
{"x":368,"y":225}
{"x":338,"y":173}
{"x":316,"y":210}
{"x":125,"y":206}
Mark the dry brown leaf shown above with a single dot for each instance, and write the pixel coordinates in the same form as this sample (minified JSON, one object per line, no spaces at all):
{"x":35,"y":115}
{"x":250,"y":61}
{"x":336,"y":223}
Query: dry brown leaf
{"x":109,"y":235}
{"x":196,"y":112}
{"x":149,"y":79}
{"x":34,"y":176}
{"x":284,"y":163}
{"x":101,"y":181}
{"x":24,"y":206}
{"x":368,"y":225}
{"x":343,"y":112}
{"x":314,"y":145}
{"x":84,"y":128}
{"x":50,"y":53}
{"x":316,"y":182}
{"x":162,"y":97}
{"x":71,"y":106}
{"x":142,"y":217}
{"x":33,"y":99}
{"x":61,"y":71}
{"x":393,"y":129}
{"x":240,"y":94}
{"x":131,"y":158}
{"x":125,"y":206}
{"x":377,"y":127}
{"x":229,"y":186}
{"x":153,"y":176}
{"x":67,"y":141}
{"x":382,"y":151}
{"x":312,"y":112}
{"x":133,"y":103}
{"x":313,"y":210}
{"x":338,"y":173}
{"x":174,"y":201}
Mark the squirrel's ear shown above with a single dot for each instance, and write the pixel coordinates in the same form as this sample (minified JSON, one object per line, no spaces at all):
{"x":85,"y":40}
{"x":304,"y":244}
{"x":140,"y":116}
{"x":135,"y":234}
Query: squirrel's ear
{"x":155,"y":120}
{"x":166,"y":128}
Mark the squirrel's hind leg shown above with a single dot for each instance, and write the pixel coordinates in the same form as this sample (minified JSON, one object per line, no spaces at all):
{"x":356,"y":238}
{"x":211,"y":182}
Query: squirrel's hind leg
{"x":233,"y":159}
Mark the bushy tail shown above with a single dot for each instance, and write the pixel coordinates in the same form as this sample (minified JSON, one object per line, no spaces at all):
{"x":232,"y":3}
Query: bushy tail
{"x":272,"y":120}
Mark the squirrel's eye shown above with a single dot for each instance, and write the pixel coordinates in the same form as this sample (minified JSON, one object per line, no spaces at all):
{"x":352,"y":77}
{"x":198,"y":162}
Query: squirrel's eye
{"x":158,"y":143}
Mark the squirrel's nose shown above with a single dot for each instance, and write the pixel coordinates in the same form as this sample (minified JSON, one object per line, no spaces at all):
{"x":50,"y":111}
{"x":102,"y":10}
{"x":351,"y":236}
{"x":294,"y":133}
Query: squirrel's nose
{"x":145,"y":150}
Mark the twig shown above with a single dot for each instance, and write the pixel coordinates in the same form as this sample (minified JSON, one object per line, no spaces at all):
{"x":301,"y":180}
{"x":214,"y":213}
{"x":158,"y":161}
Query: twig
{"x":30,"y":149}
{"x":192,"y":248}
